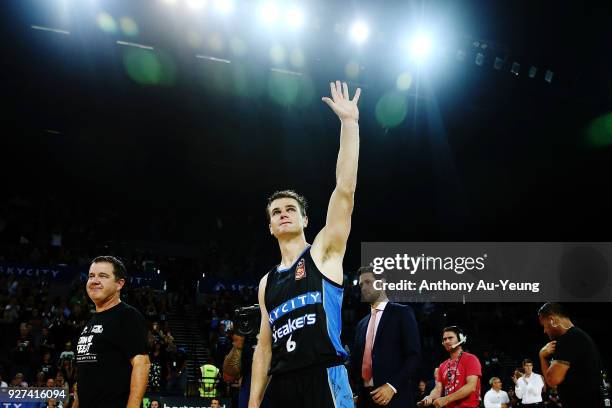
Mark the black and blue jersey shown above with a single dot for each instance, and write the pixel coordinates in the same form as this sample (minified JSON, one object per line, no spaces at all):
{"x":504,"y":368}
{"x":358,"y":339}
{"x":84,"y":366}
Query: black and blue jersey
{"x":304,"y":309}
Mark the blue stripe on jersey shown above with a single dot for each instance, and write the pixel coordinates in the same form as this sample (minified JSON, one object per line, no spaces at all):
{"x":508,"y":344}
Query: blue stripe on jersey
{"x":308,"y":298}
{"x":279,"y":269}
{"x":337,"y":377}
{"x":332,"y":305}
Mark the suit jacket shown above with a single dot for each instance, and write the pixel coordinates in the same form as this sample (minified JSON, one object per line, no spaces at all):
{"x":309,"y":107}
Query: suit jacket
{"x":395,"y":355}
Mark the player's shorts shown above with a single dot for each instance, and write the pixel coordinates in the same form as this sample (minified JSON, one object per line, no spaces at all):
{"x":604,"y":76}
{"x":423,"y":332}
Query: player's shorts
{"x":319,"y":387}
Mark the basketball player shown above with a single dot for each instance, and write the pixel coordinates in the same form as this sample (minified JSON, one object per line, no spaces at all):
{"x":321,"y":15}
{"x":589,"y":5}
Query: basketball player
{"x":299,"y":351}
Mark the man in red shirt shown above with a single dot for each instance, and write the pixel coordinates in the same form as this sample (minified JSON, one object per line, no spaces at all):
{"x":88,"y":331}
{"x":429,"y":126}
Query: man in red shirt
{"x":458,"y":379}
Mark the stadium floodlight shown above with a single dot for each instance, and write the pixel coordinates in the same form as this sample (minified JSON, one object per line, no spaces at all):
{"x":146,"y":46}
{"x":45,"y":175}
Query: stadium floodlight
{"x":533,"y":71}
{"x":196,"y":4}
{"x":548,"y":76}
{"x":479,"y":60}
{"x":359,"y":32}
{"x":516,"y":68}
{"x":420,"y":47}
{"x":499,"y":63}
{"x":224,"y":6}
{"x":268,"y":12}
{"x":295,"y":17}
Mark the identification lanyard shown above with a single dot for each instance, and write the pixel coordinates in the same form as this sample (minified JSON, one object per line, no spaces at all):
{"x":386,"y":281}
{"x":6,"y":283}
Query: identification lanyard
{"x":451,"y":377}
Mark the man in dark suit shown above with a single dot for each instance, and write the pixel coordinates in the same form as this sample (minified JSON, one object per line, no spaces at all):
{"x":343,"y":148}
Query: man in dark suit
{"x":386,"y":351}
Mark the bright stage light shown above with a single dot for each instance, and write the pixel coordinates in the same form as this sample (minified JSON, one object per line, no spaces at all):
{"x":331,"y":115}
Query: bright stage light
{"x":224,"y":6}
{"x":359,"y":32}
{"x":420,"y":47}
{"x":295,"y":17}
{"x":196,"y":4}
{"x":268,"y":12}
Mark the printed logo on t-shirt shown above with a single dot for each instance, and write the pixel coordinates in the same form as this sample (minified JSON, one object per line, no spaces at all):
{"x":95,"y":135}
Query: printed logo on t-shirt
{"x":300,"y":270}
{"x":85,"y":342}
{"x":452,"y":375}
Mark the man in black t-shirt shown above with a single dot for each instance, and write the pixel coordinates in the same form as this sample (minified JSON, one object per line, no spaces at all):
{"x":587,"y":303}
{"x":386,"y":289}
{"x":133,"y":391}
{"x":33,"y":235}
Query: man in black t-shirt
{"x":576,"y":363}
{"x":112,"y":350}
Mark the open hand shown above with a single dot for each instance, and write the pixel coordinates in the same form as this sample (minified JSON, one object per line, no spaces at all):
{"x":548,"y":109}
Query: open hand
{"x":340,"y":102}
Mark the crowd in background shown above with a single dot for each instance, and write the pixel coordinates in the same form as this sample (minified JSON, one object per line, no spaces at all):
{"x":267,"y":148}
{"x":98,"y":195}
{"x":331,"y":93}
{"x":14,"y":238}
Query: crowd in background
{"x":40,"y":319}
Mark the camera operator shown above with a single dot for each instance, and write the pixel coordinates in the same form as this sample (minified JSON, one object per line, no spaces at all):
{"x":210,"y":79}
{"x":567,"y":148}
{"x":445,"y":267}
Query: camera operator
{"x":237,"y":363}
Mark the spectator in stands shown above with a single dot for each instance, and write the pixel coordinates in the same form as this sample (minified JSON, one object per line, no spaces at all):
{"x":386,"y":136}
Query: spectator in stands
{"x":514,"y":401}
{"x":41,"y":380}
{"x":18,"y":381}
{"x":228,"y":325}
{"x":53,"y":403}
{"x":154,"y":404}
{"x":157,"y":334}
{"x":170,"y":345}
{"x":11,"y":311}
{"x":47,"y":367}
{"x":21,"y":354}
{"x":50,"y":383}
{"x":177,"y":377}
{"x":421,"y":390}
{"x":68,"y":371}
{"x":215,"y":403}
{"x":61,"y":383}
{"x":157,"y":359}
{"x":222,"y":345}
{"x":46,"y":343}
{"x":553,"y":400}
{"x":67,"y":354}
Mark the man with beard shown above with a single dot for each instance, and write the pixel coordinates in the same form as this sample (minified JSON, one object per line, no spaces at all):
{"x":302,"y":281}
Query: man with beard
{"x":386,"y":350}
{"x":458,"y":379}
{"x":113,"y":363}
{"x":576,"y":363}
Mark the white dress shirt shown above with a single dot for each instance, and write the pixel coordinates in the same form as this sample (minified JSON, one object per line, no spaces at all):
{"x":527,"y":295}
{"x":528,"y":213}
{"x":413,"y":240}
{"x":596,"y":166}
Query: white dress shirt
{"x":529,"y":390}
{"x":381,"y":308}
{"x":495,"y":399}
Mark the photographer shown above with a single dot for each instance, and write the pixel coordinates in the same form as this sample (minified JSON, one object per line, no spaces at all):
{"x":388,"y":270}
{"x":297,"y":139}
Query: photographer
{"x":237,"y":363}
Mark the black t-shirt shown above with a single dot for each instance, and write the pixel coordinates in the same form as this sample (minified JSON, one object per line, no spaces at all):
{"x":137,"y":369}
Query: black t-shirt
{"x":580,"y":388}
{"x":104,"y":350}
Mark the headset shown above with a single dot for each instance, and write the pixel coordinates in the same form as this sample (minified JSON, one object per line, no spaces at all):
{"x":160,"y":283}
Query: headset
{"x":462,"y":337}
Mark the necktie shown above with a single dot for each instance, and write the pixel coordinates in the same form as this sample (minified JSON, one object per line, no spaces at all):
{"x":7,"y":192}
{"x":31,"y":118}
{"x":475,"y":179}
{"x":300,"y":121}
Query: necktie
{"x":366,"y":365}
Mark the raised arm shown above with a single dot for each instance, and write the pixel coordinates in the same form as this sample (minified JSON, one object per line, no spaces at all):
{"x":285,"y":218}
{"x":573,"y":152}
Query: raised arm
{"x":331,"y":241}
{"x":263,"y":352}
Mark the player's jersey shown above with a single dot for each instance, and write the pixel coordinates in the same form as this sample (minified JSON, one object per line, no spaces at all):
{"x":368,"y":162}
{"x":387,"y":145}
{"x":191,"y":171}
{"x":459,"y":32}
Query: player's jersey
{"x":305,"y":310}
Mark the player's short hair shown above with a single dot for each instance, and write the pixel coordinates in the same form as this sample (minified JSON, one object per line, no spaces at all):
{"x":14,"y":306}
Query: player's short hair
{"x":118,"y":268}
{"x":492,"y":380}
{"x":527,"y":361}
{"x":551,"y":309}
{"x":302,"y":203}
